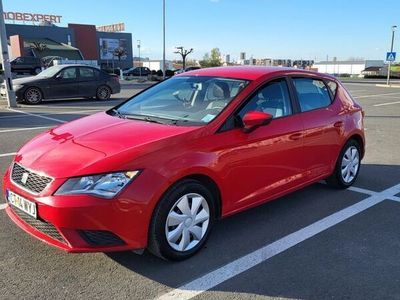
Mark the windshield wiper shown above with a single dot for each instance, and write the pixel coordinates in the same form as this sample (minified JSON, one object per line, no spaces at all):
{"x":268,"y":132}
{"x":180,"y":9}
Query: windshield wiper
{"x":144,"y":118}
{"x":118,"y":114}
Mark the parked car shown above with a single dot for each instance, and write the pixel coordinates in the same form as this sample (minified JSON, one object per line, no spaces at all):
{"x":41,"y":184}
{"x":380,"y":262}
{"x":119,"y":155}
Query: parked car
{"x":26,"y":64}
{"x":138,"y":71}
{"x":179,"y":71}
{"x":159,"y":169}
{"x":66,"y":81}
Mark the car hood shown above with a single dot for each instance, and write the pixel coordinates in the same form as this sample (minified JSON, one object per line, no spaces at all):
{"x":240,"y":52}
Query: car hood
{"x":95,"y":144}
{"x":26,"y":80}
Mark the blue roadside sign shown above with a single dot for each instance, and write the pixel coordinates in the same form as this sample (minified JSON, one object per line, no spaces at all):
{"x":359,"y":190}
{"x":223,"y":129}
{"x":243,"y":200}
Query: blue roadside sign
{"x":390,"y":56}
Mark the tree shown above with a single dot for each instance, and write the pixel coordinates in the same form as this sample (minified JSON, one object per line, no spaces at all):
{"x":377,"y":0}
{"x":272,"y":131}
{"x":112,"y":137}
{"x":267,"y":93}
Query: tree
{"x":119,"y":52}
{"x":211,"y":60}
{"x":38,"y":47}
{"x":183,"y":52}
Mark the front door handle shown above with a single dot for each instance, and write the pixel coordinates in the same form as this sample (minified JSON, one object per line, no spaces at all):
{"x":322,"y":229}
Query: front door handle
{"x":295,"y":136}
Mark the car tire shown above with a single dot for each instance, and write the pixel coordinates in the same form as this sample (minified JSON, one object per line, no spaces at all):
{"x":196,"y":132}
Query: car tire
{"x":347,"y":166}
{"x":33,"y":95}
{"x":37,"y":71}
{"x":178,"y":229}
{"x":103,"y":93}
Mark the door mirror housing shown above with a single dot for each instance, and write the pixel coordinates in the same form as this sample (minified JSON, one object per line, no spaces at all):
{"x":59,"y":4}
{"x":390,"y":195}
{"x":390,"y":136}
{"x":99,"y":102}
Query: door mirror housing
{"x":254,"y":119}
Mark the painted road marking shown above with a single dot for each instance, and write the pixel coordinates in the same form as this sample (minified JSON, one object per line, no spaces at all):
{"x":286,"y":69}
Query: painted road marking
{"x":3,"y":206}
{"x":387,"y":103}
{"x":8,"y":154}
{"x":238,"y":266}
{"x":23,"y":129}
{"x":38,"y":116}
{"x":376,"y":95}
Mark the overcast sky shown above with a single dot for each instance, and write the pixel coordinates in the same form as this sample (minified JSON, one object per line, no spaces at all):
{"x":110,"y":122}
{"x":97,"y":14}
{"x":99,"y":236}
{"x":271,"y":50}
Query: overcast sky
{"x":308,"y":29}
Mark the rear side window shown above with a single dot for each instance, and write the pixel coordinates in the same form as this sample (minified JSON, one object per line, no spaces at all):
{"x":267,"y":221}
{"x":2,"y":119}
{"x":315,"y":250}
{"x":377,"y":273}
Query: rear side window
{"x":311,"y":93}
{"x":333,"y":87}
{"x":86,"y":73}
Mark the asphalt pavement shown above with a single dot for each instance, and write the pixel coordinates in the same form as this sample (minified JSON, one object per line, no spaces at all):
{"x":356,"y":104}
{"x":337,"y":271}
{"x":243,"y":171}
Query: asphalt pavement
{"x":317,"y":243}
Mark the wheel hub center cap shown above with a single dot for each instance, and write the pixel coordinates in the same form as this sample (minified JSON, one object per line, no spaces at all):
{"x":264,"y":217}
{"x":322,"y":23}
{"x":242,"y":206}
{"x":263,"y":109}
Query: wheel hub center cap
{"x":188,"y":222}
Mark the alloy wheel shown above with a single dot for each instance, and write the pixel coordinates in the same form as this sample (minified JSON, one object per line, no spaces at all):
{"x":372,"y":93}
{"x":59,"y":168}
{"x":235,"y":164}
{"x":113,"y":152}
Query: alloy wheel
{"x":350,"y":164}
{"x":187,"y":222}
{"x":103,"y":93}
{"x":33,"y":95}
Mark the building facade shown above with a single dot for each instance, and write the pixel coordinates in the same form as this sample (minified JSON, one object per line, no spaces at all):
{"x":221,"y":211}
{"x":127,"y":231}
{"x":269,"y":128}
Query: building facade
{"x":77,"y":41}
{"x":346,"y":67}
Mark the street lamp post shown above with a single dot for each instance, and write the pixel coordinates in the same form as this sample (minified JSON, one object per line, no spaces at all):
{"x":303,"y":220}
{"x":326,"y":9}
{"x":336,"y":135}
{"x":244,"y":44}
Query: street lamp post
{"x":5,"y":61}
{"x":391,"y":50}
{"x":140,"y":69}
{"x":163,"y":62}
{"x":183,"y":52}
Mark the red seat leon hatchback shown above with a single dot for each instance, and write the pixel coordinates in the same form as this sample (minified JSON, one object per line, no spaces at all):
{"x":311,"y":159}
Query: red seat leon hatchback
{"x":159,"y":169}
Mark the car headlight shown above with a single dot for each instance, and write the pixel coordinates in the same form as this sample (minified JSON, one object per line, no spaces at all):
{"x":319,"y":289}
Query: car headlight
{"x":104,"y":185}
{"x":17,"y":87}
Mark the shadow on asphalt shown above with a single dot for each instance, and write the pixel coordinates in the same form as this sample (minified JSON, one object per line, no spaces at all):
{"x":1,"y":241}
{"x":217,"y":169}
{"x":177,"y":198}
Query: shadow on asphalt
{"x":248,"y":231}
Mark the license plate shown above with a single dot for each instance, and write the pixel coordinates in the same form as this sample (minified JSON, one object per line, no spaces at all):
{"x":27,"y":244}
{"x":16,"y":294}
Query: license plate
{"x":23,"y":204}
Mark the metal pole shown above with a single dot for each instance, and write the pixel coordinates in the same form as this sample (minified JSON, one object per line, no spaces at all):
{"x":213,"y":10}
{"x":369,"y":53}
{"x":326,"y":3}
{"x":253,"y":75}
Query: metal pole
{"x":163,"y":62}
{"x":5,"y":61}
{"x":391,"y":50}
{"x":140,"y":69}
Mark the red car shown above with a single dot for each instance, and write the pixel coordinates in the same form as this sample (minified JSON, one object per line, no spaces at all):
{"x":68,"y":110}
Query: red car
{"x":158,"y":170}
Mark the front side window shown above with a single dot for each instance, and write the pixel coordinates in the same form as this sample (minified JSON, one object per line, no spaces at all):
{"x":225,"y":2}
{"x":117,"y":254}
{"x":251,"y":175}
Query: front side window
{"x":184,"y":100}
{"x":273,"y":99}
{"x":311,"y":93}
{"x":68,"y":73}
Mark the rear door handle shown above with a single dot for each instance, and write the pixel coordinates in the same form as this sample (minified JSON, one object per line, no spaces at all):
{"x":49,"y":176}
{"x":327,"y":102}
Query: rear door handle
{"x":295,"y":136}
{"x":338,"y":124}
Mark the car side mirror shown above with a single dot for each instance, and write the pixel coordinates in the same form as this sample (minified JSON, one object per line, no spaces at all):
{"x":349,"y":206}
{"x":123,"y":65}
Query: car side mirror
{"x":254,"y":119}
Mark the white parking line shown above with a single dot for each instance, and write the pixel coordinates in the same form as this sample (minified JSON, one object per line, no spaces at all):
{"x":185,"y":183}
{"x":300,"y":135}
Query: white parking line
{"x":255,"y":258}
{"x":23,"y":129}
{"x":38,"y":116}
{"x":3,"y":206}
{"x":8,"y":154}
{"x":387,"y":103}
{"x":376,"y":95}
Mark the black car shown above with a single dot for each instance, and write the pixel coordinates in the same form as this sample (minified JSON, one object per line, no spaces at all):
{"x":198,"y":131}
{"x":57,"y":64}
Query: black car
{"x":26,"y":64}
{"x":138,"y":71}
{"x":66,"y":81}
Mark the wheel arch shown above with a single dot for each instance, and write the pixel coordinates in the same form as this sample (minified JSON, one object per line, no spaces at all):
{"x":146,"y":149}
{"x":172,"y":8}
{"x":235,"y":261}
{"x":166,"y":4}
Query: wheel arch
{"x":360,"y":140}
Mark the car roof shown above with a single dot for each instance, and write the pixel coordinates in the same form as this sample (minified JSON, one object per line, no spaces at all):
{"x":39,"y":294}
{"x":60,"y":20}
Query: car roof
{"x":77,"y":65}
{"x":248,"y":72}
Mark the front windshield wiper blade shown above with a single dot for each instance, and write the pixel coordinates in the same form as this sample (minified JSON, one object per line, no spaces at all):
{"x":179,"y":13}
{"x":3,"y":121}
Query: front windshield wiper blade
{"x":118,"y":114}
{"x":144,"y":118}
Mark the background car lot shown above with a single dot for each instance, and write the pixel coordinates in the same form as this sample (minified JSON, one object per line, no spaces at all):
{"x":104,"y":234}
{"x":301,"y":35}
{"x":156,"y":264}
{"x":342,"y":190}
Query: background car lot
{"x":356,"y":258}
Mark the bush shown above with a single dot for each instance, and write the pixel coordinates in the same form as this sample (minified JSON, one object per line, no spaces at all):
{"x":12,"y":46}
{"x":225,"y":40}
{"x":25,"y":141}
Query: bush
{"x":169,"y":73}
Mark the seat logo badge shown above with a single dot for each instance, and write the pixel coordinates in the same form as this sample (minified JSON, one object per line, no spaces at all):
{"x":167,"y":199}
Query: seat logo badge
{"x":24,"y":178}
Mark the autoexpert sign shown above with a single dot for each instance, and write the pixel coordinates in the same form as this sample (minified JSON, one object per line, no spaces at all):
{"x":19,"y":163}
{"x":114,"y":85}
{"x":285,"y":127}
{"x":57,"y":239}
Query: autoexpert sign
{"x":29,"y":17}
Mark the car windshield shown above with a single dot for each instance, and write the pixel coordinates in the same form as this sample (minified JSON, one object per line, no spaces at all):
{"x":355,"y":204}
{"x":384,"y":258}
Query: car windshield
{"x":187,"y":100}
{"x":50,"y":72}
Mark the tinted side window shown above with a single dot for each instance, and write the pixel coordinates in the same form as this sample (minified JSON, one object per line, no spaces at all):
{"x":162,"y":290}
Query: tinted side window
{"x":333,"y":87}
{"x":86,"y":73}
{"x":312,"y":93}
{"x":273,"y":98}
{"x":68,"y":73}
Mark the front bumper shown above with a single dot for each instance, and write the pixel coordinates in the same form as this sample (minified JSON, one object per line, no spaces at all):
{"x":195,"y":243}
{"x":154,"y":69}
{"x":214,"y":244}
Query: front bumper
{"x":86,"y":223}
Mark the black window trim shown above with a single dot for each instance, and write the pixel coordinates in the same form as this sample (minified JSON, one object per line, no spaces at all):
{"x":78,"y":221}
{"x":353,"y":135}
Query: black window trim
{"x":291,"y":77}
{"x":293,"y":102}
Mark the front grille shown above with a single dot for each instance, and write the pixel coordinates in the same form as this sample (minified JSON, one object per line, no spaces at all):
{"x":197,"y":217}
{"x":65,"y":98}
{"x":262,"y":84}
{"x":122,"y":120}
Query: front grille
{"x":29,"y":180}
{"x":101,"y":238}
{"x":44,"y":227}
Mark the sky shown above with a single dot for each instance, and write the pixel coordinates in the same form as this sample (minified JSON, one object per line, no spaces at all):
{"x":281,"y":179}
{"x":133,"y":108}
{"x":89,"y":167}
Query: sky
{"x":295,"y":29}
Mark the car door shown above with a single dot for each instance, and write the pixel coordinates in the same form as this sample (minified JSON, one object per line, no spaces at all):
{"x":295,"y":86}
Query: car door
{"x":65,"y":84}
{"x":267,"y":161}
{"x":323,"y":125}
{"x":88,"y":81}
